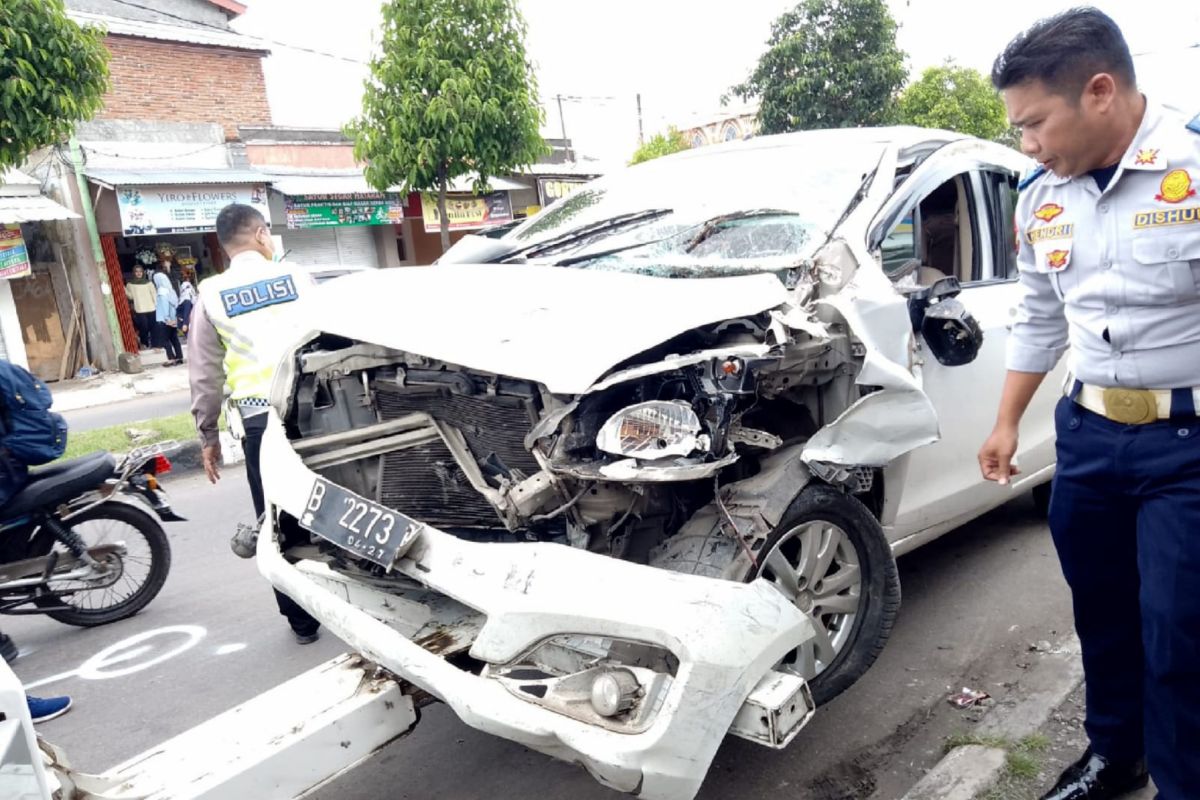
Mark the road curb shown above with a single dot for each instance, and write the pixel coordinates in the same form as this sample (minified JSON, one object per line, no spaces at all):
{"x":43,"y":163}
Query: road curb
{"x":962,"y":774}
{"x":967,"y":770}
{"x":188,"y":457}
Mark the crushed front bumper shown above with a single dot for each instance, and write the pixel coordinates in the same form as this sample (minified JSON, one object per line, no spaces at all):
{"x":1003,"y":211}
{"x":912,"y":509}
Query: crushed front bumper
{"x":726,"y":637}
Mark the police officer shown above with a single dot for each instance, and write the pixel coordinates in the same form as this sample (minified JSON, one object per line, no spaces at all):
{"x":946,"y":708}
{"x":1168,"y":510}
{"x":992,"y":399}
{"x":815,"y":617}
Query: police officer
{"x":1109,"y":227}
{"x":242,"y":320}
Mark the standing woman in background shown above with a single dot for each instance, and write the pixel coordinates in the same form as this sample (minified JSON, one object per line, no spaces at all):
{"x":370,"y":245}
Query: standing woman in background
{"x":143,"y":298}
{"x":166,"y":314}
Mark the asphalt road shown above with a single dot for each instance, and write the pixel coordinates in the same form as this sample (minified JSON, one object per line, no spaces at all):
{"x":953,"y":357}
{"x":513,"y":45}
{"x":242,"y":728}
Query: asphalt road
{"x":973,"y":602}
{"x":150,"y":407}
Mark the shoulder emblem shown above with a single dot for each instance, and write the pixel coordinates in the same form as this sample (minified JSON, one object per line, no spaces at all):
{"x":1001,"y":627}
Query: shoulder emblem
{"x":1038,"y":172}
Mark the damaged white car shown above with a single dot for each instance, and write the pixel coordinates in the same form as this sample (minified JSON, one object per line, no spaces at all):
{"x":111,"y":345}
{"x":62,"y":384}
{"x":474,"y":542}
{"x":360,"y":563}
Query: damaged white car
{"x":633,"y":475}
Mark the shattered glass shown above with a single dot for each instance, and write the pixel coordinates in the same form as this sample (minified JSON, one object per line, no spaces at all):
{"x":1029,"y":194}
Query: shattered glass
{"x":751,"y":209}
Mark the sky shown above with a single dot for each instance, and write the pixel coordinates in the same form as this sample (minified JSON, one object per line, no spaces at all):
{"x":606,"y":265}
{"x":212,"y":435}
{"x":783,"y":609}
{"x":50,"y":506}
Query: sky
{"x":679,"y":55}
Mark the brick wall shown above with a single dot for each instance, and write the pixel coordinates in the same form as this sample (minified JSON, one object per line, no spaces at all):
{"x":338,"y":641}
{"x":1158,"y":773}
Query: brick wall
{"x":177,"y":82}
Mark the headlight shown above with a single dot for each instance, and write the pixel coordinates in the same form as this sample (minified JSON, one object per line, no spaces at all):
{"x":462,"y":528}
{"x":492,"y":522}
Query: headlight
{"x":652,"y":430}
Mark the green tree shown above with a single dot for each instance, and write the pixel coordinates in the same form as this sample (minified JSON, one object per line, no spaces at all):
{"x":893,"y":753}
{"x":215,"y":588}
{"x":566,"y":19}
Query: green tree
{"x":957,"y":99}
{"x":828,"y":64}
{"x":450,"y":94}
{"x":660,"y":144}
{"x":53,"y":75}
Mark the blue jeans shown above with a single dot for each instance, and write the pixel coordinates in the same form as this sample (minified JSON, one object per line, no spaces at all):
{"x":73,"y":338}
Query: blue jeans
{"x":1125,"y":518}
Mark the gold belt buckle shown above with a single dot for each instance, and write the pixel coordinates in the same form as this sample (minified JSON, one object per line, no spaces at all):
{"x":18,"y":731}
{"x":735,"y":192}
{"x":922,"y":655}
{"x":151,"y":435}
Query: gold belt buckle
{"x":1130,"y":406}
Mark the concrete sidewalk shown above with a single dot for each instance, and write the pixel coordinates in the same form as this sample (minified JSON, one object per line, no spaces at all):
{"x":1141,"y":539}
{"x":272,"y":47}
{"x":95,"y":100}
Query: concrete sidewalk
{"x":115,"y":387}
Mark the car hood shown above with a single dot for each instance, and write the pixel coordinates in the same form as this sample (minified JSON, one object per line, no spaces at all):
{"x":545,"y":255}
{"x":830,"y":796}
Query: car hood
{"x":564,"y":328}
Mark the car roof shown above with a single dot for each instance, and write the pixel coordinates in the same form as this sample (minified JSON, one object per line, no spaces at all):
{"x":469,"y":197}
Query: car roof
{"x":902,"y":137}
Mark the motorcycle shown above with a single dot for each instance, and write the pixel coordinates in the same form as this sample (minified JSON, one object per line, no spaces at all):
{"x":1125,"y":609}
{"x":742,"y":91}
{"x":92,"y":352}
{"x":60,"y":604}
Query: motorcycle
{"x":82,"y":541}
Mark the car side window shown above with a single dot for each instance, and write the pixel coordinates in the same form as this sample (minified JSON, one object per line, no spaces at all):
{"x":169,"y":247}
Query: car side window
{"x":1000,"y":190}
{"x":941,"y":232}
{"x":900,"y":245}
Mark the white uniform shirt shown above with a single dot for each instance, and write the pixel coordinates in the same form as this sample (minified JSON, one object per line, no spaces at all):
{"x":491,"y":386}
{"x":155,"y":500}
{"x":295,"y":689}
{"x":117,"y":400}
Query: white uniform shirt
{"x":1116,"y":274}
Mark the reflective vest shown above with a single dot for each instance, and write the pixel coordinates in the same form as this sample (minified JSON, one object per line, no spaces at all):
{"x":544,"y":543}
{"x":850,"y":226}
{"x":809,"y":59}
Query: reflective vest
{"x":254,"y":306}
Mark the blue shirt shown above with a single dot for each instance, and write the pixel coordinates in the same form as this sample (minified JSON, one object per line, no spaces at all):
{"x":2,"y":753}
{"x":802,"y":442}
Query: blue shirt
{"x":166,"y":302}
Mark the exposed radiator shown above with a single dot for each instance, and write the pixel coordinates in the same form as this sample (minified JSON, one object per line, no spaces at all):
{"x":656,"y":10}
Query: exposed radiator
{"x":426,"y":482}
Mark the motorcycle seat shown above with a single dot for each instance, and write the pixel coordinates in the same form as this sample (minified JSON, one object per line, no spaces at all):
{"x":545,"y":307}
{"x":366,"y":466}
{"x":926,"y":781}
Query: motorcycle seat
{"x":59,"y":482}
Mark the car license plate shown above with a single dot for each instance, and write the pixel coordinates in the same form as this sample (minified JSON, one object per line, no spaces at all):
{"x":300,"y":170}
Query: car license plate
{"x":358,"y":525}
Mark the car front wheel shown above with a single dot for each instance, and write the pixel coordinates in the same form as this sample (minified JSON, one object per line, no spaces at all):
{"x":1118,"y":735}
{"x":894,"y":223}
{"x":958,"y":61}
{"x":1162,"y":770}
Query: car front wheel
{"x":830,"y":558}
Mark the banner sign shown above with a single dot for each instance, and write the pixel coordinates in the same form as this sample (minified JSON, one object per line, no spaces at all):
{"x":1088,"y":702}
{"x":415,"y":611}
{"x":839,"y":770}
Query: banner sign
{"x":467,"y":212}
{"x":148,"y":210}
{"x":341,"y":210}
{"x":14,"y":258}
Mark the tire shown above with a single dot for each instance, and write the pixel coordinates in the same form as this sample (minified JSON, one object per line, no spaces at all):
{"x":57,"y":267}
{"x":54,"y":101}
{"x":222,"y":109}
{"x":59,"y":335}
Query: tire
{"x":1041,"y":499}
{"x":819,"y":513}
{"x":159,"y":549}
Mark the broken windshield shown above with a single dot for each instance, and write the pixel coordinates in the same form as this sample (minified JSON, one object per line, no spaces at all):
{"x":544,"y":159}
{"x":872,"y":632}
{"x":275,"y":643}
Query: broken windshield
{"x":745,"y":207}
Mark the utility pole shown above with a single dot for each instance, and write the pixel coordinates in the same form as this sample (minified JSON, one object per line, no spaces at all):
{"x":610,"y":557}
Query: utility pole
{"x":562,"y":124}
{"x":103,"y":341}
{"x":562,"y":121}
{"x":641,"y":135}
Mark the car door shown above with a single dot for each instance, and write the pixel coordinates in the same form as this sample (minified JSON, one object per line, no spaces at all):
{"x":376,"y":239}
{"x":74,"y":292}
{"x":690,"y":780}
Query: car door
{"x":939,"y":486}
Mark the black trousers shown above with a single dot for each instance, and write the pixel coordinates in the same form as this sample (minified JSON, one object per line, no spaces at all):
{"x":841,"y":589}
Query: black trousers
{"x":1125,"y":517}
{"x":145,"y":323}
{"x":168,"y":338}
{"x":301,"y":621}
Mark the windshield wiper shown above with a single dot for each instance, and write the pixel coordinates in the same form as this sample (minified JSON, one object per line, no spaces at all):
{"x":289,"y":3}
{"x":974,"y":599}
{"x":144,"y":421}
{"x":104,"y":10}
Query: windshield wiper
{"x":578,"y":234}
{"x":713,"y":225}
{"x":705,"y":230}
{"x":863,"y":187}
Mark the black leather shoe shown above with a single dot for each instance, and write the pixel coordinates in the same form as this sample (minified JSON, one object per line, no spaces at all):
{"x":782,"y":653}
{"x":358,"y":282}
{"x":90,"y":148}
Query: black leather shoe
{"x":1094,"y":778}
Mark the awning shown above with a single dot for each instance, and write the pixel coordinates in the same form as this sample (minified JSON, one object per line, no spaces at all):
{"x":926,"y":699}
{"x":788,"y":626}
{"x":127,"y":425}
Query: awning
{"x":32,"y":208}
{"x":585,"y":169}
{"x":189,"y":33}
{"x":153,"y":202}
{"x":466,"y":185}
{"x":109,"y":177}
{"x":21,"y":200}
{"x":295,"y":185}
{"x":348,"y":183}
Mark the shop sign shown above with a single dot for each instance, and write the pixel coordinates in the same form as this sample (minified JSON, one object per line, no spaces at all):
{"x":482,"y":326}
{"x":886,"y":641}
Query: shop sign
{"x":149,"y":210}
{"x":14,"y":257}
{"x":467,"y":212}
{"x":341,"y":210}
{"x":552,"y":189}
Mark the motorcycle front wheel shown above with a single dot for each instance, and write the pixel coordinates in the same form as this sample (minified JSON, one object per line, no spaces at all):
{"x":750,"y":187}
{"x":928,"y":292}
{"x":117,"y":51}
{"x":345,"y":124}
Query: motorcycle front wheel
{"x":135,"y":577}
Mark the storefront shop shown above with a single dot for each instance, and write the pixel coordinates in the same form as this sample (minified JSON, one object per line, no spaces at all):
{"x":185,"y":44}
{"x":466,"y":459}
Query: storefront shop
{"x":36,"y":301}
{"x":467,"y":213}
{"x":152,"y":217}
{"x":335,"y":220}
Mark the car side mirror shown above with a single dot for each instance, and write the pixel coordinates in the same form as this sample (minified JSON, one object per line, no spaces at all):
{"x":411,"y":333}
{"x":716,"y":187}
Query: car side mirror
{"x":951,"y":332}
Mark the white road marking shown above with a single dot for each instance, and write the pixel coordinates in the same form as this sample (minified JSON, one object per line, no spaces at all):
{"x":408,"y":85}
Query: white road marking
{"x":101,"y":666}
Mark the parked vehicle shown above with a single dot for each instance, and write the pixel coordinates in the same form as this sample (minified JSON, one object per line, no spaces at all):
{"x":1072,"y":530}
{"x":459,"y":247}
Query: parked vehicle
{"x":82,"y":541}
